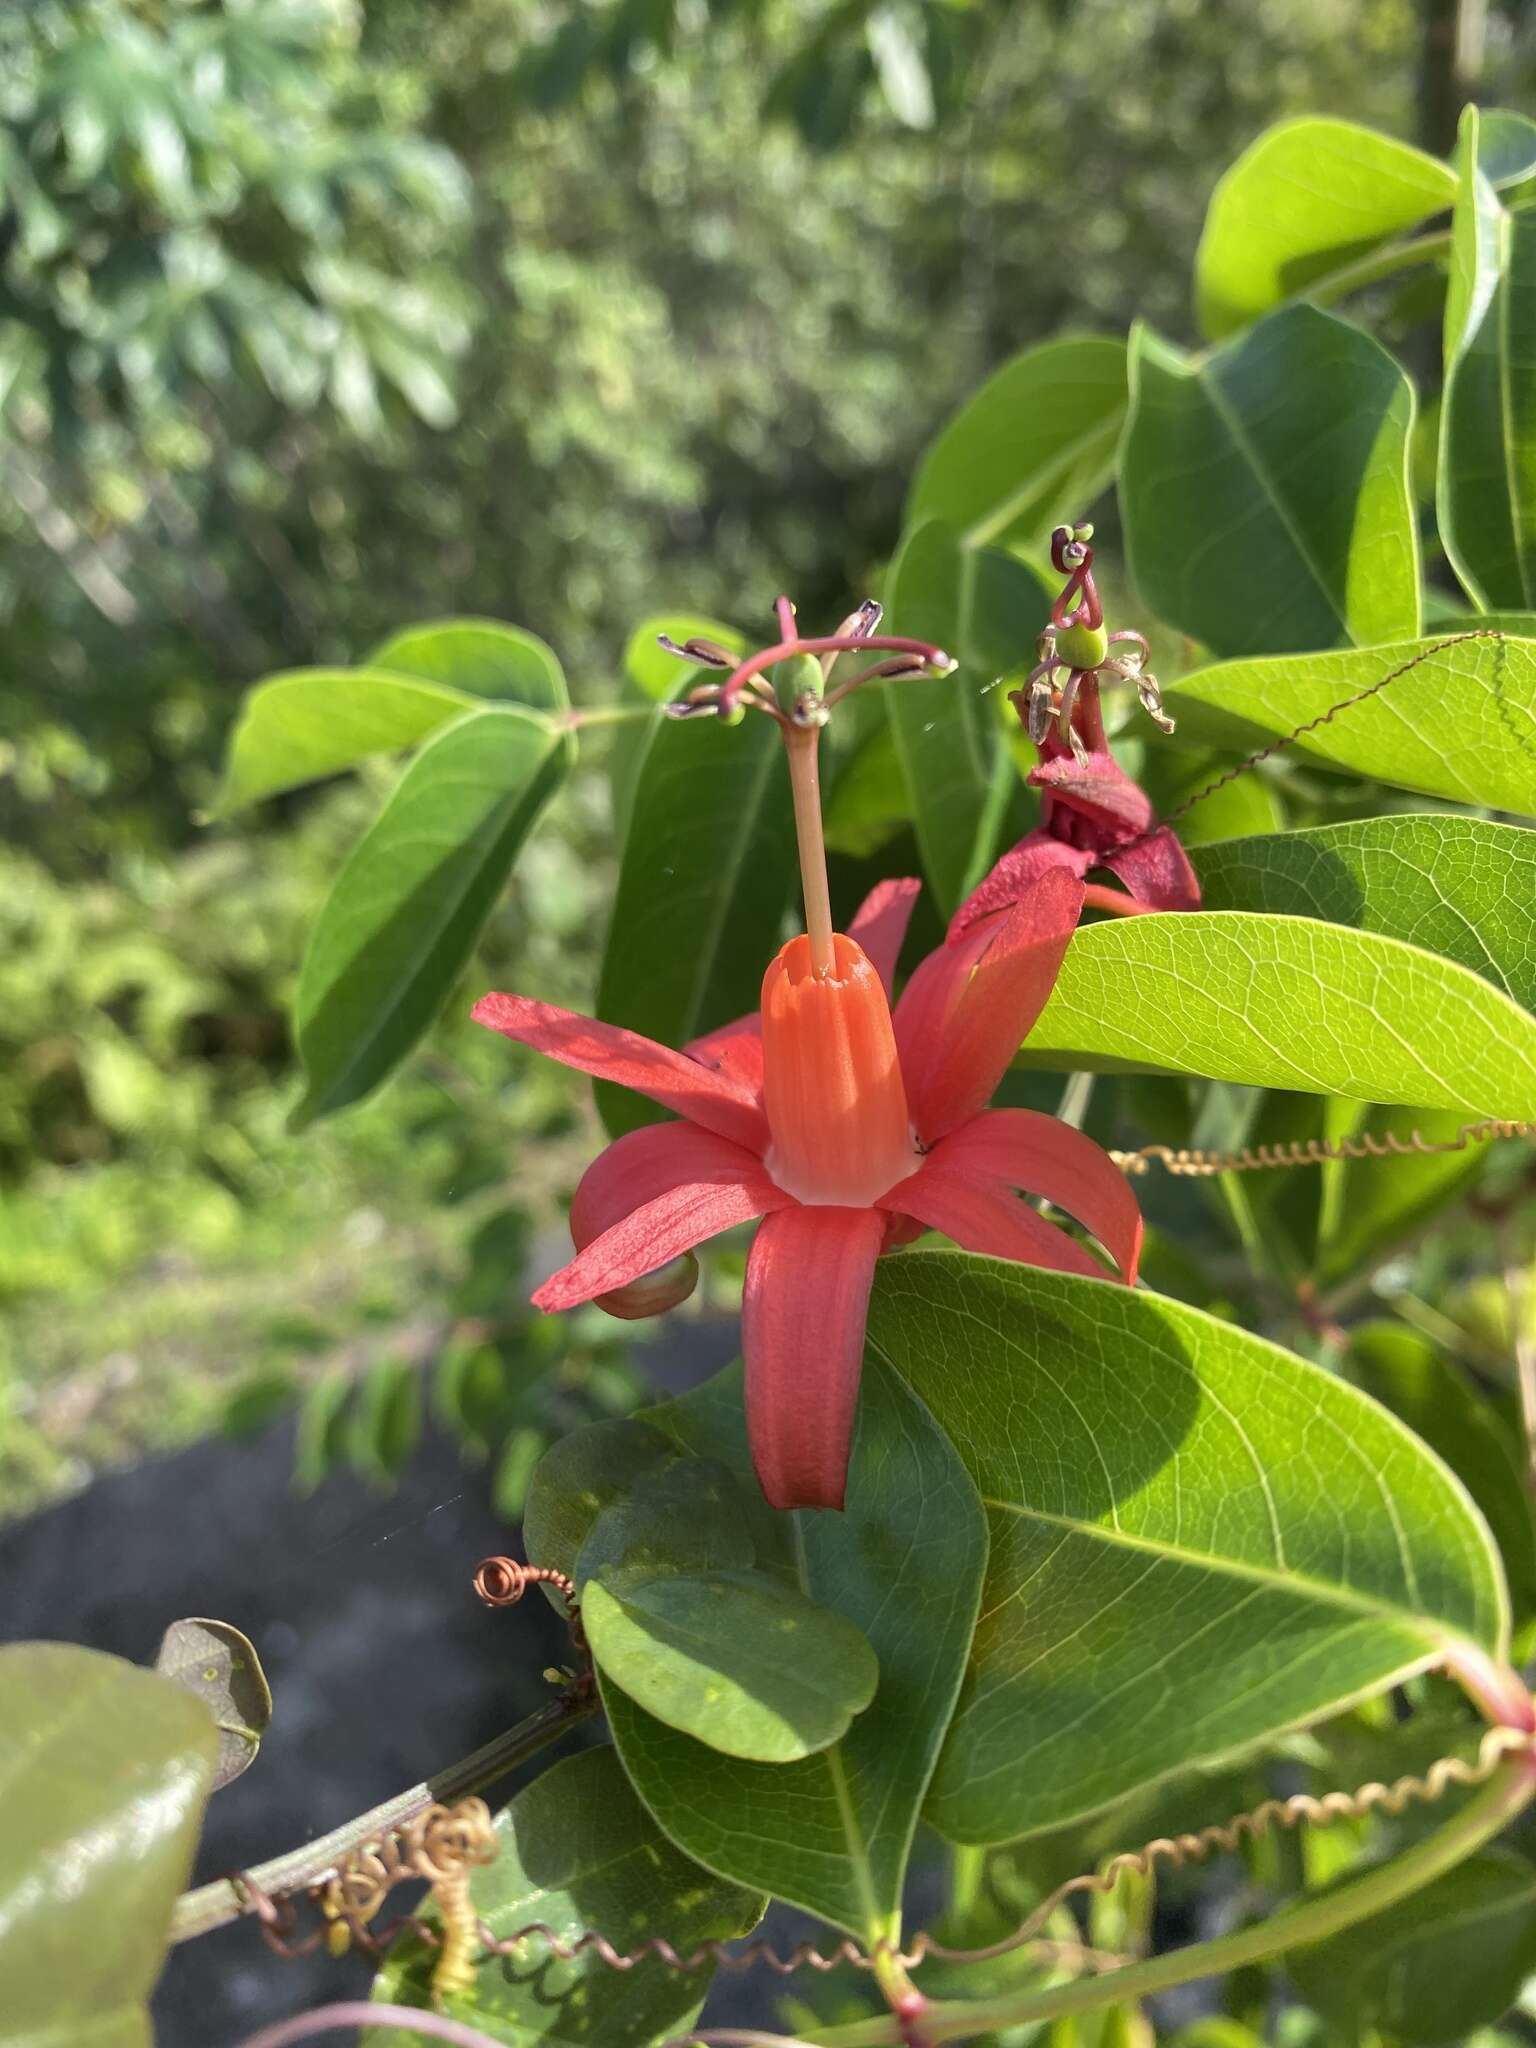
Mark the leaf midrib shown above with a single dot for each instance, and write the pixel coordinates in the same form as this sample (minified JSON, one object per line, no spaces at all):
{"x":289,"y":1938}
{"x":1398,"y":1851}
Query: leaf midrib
{"x":1288,"y":1580}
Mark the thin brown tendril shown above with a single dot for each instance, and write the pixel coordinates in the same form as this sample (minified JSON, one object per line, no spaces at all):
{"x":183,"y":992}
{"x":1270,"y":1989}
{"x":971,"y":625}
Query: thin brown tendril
{"x":1192,"y":1161}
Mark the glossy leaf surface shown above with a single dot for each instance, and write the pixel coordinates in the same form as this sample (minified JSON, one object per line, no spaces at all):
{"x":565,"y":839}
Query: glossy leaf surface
{"x":217,"y":1664}
{"x":1264,"y":487}
{"x":400,"y":924}
{"x":1197,"y":1539}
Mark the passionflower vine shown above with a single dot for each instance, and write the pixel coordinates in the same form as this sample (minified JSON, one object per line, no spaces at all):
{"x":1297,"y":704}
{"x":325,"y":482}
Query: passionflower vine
{"x":1092,"y":815}
{"x":847,"y":1126}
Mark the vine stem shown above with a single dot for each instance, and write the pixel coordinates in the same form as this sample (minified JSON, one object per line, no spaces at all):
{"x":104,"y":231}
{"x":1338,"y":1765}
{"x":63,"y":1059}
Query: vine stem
{"x":227,"y":1898}
{"x":1310,"y":1920}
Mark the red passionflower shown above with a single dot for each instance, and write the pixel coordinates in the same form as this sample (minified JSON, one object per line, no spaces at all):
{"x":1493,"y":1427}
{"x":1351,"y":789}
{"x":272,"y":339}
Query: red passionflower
{"x":849,"y":1129}
{"x":846,"y":1127}
{"x":1092,"y":815}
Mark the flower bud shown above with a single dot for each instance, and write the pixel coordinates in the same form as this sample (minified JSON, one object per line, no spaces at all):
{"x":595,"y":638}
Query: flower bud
{"x":653,"y":1293}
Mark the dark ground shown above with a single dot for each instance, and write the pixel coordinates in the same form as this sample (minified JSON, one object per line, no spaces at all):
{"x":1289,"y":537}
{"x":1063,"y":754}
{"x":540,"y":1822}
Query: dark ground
{"x":382,"y":1662}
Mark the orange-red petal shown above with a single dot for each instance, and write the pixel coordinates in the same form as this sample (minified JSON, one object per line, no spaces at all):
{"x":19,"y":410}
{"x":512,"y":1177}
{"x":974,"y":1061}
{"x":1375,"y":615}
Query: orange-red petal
{"x":1022,"y":1148}
{"x":984,"y":1216}
{"x":802,"y":1334}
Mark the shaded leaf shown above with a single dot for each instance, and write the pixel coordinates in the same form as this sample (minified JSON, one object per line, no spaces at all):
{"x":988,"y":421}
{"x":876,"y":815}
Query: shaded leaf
{"x":1461,"y":723}
{"x":296,"y":728}
{"x":707,"y":870}
{"x":578,"y":1477}
{"x":1303,"y":205}
{"x":986,"y":610}
{"x":1460,"y":887}
{"x":1287,"y":1002}
{"x":481,"y":657}
{"x":1375,"y":1203}
{"x":104,"y":1771}
{"x":218,"y":1665}
{"x":406,"y":910}
{"x":832,"y":1833}
{"x":578,"y":1852}
{"x":1440,"y":1403}
{"x":1179,"y":1512}
{"x":1486,"y":501}
{"x":745,"y":1664}
{"x":1034,"y":446}
{"x":1446,"y":1961}
{"x":1264,"y":487}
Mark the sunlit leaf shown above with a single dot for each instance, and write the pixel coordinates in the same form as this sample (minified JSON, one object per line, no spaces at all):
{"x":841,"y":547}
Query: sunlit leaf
{"x":1460,"y":887}
{"x":1288,"y":1002}
{"x":104,"y":1770}
{"x":1178,"y":1510}
{"x":1264,"y":487}
{"x":480,"y":657}
{"x":318,"y":721}
{"x":1459,"y":723}
{"x":1301,"y":208}
{"x":402,"y":919}
{"x":1034,"y":446}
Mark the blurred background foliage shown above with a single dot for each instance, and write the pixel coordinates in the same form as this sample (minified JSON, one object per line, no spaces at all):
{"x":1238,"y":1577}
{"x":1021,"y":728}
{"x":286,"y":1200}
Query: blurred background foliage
{"x":319,"y":318}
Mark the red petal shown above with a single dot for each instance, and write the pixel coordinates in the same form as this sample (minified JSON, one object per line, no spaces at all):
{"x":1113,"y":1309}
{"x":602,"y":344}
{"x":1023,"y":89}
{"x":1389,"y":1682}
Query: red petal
{"x":643,"y":1164}
{"x":734,"y":1050}
{"x":1156,"y":871}
{"x":1099,"y":790}
{"x":1021,"y":1148}
{"x":614,"y":1054}
{"x":880,"y":924}
{"x":985,"y":1217}
{"x":657,"y":1231}
{"x":1016,"y":874}
{"x":971,"y":1003}
{"x":802,"y":1332}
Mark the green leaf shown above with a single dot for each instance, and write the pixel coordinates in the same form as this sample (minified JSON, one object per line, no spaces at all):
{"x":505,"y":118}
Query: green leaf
{"x":1286,"y":1002}
{"x":481,"y":657}
{"x":833,"y":1832}
{"x":1034,"y":446}
{"x":986,"y":610}
{"x":1461,"y":723}
{"x":1459,"y":887}
{"x":1487,"y":470}
{"x":747,"y":1665}
{"x":402,"y":920}
{"x":218,"y":1665}
{"x":386,"y":1422}
{"x":1198,"y":1540}
{"x":104,"y":1771}
{"x":581,"y":1475}
{"x":1264,"y":487}
{"x":707,"y":869}
{"x":1506,"y":146}
{"x":580,"y":1853}
{"x":1437,"y":1967}
{"x":1378,"y":1202}
{"x":296,"y":728}
{"x":1301,"y":207}
{"x":1440,"y":1402}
